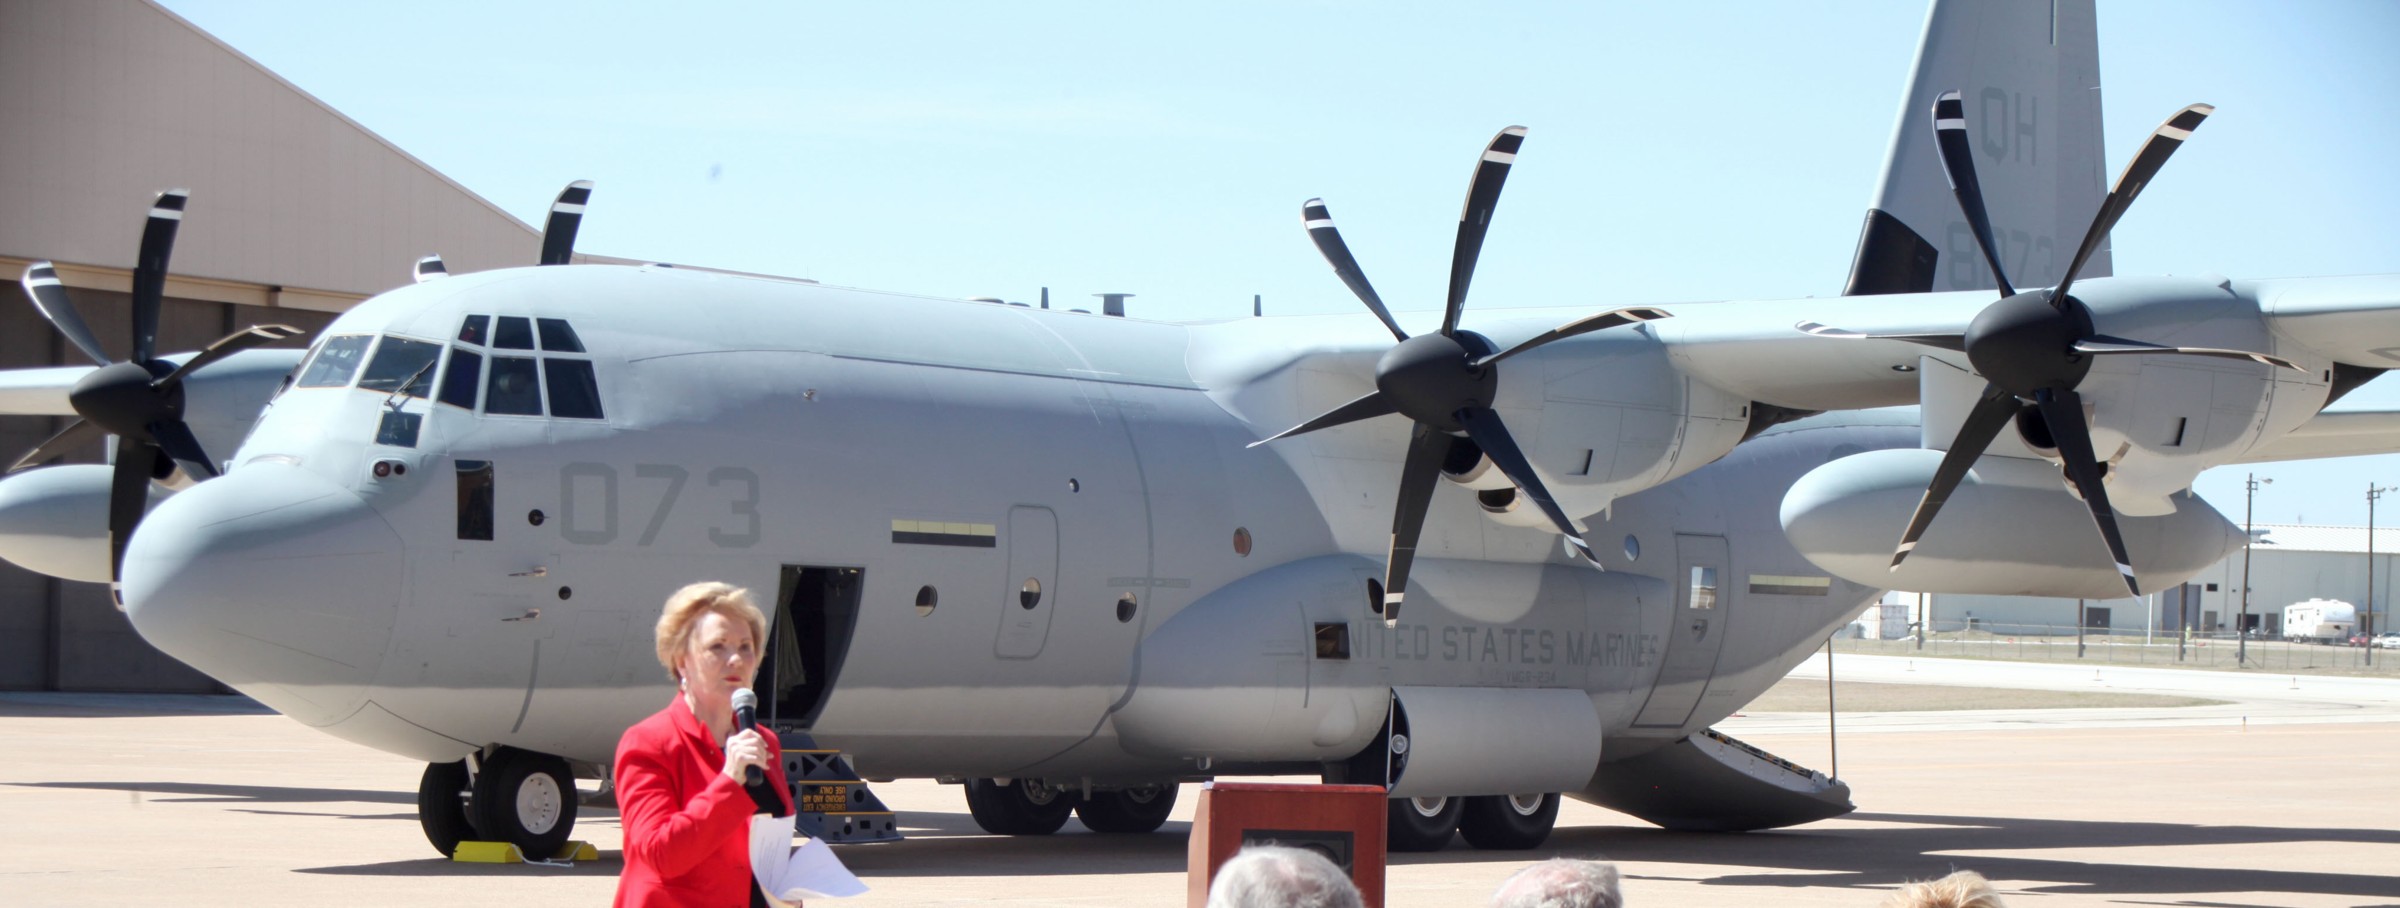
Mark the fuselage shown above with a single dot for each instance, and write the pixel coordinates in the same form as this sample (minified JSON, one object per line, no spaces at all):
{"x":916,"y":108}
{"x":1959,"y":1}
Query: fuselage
{"x":1014,"y":539}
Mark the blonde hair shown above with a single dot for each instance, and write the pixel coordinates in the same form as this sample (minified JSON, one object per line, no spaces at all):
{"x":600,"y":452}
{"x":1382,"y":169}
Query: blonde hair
{"x":685,"y":607}
{"x":1963,"y":889}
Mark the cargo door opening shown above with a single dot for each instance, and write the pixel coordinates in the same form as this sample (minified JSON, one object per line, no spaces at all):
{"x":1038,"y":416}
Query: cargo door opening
{"x":815,"y":613}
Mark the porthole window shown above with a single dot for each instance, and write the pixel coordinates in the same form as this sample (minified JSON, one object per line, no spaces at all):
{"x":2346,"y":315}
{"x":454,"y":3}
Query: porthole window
{"x":1125,"y":607}
{"x":1073,"y":486}
{"x":1241,"y":541}
{"x":926,"y":600}
{"x":1030,"y":594}
{"x":1633,"y":548}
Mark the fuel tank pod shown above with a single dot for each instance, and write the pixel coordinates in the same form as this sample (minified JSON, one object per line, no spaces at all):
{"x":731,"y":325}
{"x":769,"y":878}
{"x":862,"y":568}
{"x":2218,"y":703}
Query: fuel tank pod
{"x":2010,"y":529}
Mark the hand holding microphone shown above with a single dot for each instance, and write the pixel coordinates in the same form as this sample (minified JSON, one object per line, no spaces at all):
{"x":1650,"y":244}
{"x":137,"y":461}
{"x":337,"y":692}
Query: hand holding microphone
{"x":746,"y":748}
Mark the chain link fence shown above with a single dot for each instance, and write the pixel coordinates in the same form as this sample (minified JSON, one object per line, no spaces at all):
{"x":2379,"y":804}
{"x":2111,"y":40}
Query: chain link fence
{"x":2062,"y":643}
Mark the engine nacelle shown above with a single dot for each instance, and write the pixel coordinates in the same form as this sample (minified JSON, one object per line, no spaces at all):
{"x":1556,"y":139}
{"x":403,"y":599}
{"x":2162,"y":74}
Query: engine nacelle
{"x":2009,"y":530}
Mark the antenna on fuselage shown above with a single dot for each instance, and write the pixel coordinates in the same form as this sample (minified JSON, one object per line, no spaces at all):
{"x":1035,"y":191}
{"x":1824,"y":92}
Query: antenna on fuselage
{"x":566,"y":216}
{"x":1113,"y":303}
{"x":1257,"y":308}
{"x":1045,"y":297}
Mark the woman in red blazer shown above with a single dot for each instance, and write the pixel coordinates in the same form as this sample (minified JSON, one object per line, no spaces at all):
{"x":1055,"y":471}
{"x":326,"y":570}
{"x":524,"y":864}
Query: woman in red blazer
{"x":679,"y":773}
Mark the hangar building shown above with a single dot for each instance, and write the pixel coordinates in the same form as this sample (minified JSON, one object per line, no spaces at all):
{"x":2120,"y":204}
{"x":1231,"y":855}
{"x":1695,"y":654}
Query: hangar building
{"x":296,"y":214}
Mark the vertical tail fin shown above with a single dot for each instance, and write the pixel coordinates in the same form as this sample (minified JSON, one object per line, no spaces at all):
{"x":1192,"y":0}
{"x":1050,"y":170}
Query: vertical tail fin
{"x":2029,"y":73}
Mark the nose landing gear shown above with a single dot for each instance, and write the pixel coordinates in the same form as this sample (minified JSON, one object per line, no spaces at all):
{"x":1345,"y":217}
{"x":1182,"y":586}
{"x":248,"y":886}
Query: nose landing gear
{"x":520,"y":797}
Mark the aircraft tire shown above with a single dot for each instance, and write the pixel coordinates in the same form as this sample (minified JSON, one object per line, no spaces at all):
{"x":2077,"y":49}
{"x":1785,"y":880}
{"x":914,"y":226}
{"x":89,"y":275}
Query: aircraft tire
{"x":1421,"y":824}
{"x":442,"y":806}
{"x":527,"y":799}
{"x":1018,"y":807}
{"x":1131,"y":810}
{"x":1507,"y":822}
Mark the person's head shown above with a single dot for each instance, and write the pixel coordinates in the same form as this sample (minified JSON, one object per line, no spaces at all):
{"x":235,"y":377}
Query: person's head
{"x":1276,"y":876}
{"x":1560,"y":883}
{"x":709,"y":636}
{"x":1963,"y":889}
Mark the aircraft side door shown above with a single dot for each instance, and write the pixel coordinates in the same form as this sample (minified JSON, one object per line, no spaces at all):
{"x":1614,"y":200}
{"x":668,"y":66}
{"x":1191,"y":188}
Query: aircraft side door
{"x":1032,"y":582}
{"x":1703,"y":601}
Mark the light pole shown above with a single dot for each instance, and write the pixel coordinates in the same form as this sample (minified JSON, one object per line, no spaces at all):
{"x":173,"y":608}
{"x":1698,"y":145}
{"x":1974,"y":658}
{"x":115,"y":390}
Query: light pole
{"x":2367,"y":627}
{"x":2241,"y":629}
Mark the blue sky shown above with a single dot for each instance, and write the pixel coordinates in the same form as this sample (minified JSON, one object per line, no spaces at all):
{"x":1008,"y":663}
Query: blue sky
{"x":1700,"y":150}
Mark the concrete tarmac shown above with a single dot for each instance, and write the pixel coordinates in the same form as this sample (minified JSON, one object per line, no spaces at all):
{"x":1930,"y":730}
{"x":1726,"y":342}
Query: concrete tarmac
{"x":211,"y":801}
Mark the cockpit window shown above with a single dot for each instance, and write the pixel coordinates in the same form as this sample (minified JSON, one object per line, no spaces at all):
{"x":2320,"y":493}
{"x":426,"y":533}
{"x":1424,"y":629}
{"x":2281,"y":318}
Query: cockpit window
{"x":513,"y":389}
{"x":514,"y":332}
{"x":472,"y":330}
{"x":401,"y":362}
{"x":574,"y":393}
{"x":558,"y":336}
{"x":465,"y":376}
{"x":335,"y":362}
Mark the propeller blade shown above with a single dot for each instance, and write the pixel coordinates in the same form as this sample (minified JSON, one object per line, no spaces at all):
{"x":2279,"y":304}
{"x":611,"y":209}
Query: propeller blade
{"x":1983,"y":424}
{"x":2102,"y":345}
{"x":253,"y":336}
{"x":1584,"y":325}
{"x":150,"y":270}
{"x":1427,"y":448}
{"x":50,"y":296}
{"x":1368,"y":407}
{"x":2145,"y":165}
{"x":1956,"y":342}
{"x":1484,"y":426}
{"x":176,"y":441}
{"x":2063,"y":412}
{"x":1483,"y":195}
{"x":431,"y":268}
{"x":566,"y":216}
{"x":1958,"y":164}
{"x":76,"y":433}
{"x":128,"y":498}
{"x":1319,"y":220}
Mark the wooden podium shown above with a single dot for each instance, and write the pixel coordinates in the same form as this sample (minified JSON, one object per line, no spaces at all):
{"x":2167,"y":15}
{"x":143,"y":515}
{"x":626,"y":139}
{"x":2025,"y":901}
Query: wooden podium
{"x":1343,"y":822}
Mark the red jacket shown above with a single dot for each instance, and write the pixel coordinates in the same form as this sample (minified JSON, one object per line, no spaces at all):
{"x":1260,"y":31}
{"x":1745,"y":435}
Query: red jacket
{"x":687,"y":826}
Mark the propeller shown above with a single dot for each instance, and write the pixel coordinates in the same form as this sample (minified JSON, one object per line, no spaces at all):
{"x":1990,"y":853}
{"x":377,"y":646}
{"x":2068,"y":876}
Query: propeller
{"x":2035,"y":347}
{"x":139,"y":400}
{"x":1444,"y":382}
{"x":558,"y":234}
{"x":566,"y":217}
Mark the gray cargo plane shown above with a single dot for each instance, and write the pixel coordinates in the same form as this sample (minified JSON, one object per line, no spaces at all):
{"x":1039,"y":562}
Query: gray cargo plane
{"x":1487,"y":557}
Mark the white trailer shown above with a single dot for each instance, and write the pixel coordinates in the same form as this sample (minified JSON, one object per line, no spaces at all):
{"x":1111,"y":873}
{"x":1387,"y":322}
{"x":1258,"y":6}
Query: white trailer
{"x":2320,"y":620}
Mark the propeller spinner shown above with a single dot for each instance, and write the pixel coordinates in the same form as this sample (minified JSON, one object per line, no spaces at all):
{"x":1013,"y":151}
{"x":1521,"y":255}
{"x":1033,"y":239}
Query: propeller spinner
{"x":139,"y":400}
{"x":1444,"y":382}
{"x":2036,"y":346}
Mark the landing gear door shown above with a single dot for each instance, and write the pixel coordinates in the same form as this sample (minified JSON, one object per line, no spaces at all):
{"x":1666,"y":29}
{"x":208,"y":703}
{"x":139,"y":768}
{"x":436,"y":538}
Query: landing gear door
{"x":1703,"y":601}
{"x":1032,"y":582}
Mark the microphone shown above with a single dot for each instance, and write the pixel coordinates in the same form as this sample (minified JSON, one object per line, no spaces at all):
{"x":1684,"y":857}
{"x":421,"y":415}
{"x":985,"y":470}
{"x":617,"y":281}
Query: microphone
{"x":745,"y":718}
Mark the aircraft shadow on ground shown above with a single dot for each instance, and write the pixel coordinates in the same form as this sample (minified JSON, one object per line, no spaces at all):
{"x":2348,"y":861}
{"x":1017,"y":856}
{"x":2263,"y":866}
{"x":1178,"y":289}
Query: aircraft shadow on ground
{"x":200,"y":793}
{"x":1873,"y":859}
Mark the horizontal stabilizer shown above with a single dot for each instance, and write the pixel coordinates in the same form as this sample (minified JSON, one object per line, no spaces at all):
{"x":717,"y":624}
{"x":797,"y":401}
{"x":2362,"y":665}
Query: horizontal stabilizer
{"x":1712,"y":783}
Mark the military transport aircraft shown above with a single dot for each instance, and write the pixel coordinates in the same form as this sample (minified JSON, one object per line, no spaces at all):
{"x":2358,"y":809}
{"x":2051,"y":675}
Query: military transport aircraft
{"x":1488,"y":557}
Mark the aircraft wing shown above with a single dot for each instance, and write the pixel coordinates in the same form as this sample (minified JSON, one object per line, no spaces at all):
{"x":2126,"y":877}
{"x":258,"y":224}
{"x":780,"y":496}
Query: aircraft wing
{"x":39,"y":392}
{"x":2336,"y":433}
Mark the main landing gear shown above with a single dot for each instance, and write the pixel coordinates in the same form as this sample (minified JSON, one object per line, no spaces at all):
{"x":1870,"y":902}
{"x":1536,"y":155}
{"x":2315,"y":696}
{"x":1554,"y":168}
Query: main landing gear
{"x":517,"y":796}
{"x":1031,"y":807}
{"x":1491,"y":822}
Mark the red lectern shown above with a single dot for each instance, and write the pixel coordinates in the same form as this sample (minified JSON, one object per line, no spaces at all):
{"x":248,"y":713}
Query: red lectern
{"x":1342,"y":822}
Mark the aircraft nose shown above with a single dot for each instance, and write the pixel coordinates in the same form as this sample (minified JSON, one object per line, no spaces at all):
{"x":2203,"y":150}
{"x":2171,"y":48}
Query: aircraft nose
{"x":271,"y":579}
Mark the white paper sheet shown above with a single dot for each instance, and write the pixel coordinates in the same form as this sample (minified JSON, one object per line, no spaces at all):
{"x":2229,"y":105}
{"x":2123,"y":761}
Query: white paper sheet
{"x":808,"y":872}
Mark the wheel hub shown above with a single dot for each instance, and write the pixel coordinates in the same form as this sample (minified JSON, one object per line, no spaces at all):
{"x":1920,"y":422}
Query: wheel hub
{"x":538,"y":803}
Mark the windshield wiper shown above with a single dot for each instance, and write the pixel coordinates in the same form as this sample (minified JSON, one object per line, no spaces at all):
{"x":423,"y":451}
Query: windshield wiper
{"x":393,"y":401}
